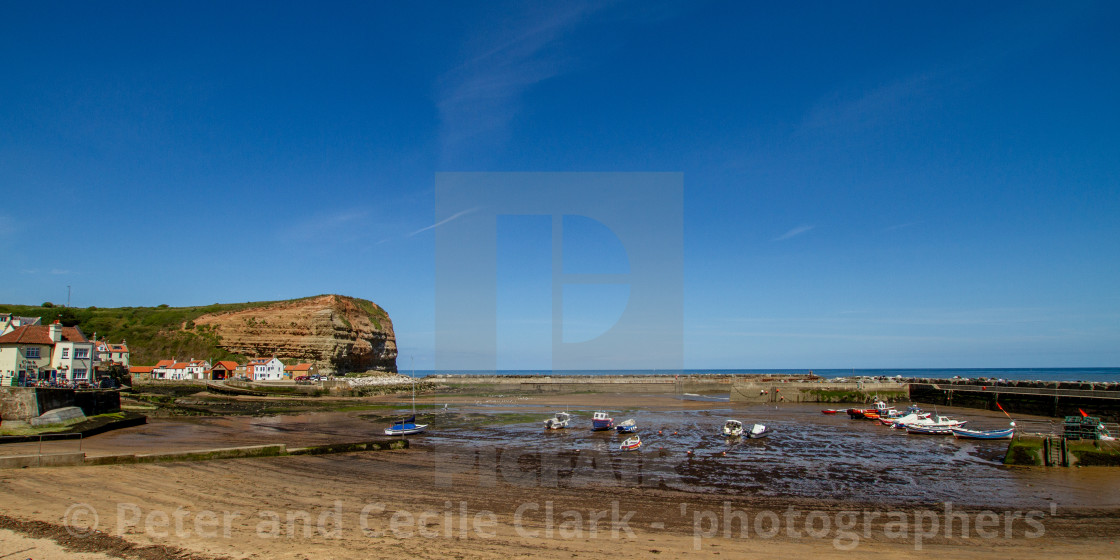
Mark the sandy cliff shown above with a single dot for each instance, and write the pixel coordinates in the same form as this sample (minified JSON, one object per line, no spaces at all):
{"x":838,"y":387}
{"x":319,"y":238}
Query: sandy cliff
{"x":337,"y":333}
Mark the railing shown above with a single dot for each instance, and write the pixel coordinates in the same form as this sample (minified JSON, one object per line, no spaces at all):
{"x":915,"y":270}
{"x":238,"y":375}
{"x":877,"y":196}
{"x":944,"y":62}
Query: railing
{"x":1028,"y":391}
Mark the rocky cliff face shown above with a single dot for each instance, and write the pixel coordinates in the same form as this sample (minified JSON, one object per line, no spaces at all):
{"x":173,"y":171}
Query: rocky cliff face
{"x":336,"y":333}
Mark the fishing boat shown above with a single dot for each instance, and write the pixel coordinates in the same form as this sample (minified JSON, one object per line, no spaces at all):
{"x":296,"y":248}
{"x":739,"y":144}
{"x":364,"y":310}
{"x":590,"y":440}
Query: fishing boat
{"x":900,"y":423}
{"x":732,"y":428}
{"x":940,"y":422}
{"x":560,"y":420}
{"x":962,"y":433}
{"x":409,"y":425}
{"x":627,"y":427}
{"x":759,"y":431}
{"x":632,"y":443}
{"x":601,"y":421}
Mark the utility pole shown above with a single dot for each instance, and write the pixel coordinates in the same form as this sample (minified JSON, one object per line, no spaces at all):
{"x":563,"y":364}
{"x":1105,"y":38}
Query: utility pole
{"x":68,"y":295}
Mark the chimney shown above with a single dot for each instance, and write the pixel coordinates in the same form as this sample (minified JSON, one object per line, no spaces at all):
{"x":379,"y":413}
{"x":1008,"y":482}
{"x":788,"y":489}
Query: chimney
{"x":56,"y":331}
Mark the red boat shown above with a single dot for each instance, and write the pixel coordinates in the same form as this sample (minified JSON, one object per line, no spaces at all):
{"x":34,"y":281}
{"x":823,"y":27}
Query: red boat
{"x":831,"y":411}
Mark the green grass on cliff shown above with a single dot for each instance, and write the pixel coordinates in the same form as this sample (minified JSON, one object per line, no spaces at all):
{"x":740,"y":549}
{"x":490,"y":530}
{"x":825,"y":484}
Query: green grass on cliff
{"x":156,"y":333}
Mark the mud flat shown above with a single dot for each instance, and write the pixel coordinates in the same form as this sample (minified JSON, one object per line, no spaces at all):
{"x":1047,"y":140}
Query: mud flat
{"x":488,"y":482}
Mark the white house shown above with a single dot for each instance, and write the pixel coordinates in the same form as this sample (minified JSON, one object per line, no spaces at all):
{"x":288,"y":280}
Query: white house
{"x":198,"y":369}
{"x":265,"y":369}
{"x":45,"y":353}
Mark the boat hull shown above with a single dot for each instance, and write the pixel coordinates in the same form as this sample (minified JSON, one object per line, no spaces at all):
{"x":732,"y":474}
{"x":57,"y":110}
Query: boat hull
{"x":961,"y":433}
{"x":406,"y":429}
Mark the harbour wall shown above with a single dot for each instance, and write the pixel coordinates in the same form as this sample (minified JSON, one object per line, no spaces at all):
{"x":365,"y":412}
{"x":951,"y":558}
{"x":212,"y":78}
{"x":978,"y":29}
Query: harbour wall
{"x":24,"y":403}
{"x":818,"y":392}
{"x":646,"y":384}
{"x":1052,"y":401}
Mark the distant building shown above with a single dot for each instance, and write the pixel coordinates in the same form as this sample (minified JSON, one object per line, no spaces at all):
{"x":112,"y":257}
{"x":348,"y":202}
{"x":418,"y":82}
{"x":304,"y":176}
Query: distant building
{"x":265,"y":369}
{"x":110,"y":354}
{"x":162,"y":369}
{"x":45,"y":354}
{"x":223,"y":370}
{"x":9,"y":322}
{"x":298,"y":370}
{"x":141,"y":373}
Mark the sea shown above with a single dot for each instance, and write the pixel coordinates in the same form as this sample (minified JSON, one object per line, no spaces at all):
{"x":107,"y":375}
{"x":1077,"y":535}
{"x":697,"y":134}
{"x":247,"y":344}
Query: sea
{"x":1101,"y":374}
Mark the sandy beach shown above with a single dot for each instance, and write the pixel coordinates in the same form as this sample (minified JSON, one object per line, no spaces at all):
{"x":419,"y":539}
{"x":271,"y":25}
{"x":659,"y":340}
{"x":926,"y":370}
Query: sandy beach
{"x":486,"y":482}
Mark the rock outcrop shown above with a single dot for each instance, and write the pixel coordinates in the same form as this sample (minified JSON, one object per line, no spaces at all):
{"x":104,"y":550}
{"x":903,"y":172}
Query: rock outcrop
{"x":338,"y":334}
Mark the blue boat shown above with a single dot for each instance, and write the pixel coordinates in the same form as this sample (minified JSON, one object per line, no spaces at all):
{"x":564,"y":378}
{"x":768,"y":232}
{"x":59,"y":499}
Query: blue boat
{"x":405,"y":427}
{"x":601,"y":421}
{"x":627,"y":427}
{"x":1007,"y":433}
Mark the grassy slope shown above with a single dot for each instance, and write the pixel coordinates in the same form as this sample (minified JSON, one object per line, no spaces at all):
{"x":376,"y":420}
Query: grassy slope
{"x":153,"y":333}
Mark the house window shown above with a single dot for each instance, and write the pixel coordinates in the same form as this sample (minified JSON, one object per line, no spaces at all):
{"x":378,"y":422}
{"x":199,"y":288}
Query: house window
{"x":65,"y":353}
{"x":79,"y":374}
{"x":79,"y":353}
{"x":32,"y":353}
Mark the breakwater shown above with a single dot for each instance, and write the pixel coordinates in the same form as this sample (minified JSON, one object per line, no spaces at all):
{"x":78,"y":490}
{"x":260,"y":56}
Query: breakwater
{"x":667,"y":384}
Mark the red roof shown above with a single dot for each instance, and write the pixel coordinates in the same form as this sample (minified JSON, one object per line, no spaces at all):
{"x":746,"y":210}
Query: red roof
{"x":179,"y":365}
{"x":40,"y":334}
{"x":118,"y":348}
{"x":230,"y":365}
{"x":165,"y":363}
{"x":141,"y":369}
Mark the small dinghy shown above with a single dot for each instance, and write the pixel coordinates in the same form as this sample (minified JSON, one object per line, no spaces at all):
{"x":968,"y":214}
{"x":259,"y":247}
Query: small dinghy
{"x":560,"y":420}
{"x":632,"y":443}
{"x":831,"y":411}
{"x":732,"y":428}
{"x":929,"y":430}
{"x":627,"y":427}
{"x":962,"y":433}
{"x":759,"y":431}
{"x":601,"y":421}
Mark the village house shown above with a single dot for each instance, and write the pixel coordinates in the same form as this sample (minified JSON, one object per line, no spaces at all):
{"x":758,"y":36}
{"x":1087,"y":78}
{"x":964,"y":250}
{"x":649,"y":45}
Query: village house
{"x":265,"y":369}
{"x":110,"y":354}
{"x":300,"y":370}
{"x":223,"y":369}
{"x":141,"y":373}
{"x":162,"y":369}
{"x":9,"y":322}
{"x":45,"y":354}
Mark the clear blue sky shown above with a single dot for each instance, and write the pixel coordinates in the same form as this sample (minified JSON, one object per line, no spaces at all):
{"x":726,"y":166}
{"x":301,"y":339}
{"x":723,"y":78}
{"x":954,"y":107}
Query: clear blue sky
{"x":866,"y":184}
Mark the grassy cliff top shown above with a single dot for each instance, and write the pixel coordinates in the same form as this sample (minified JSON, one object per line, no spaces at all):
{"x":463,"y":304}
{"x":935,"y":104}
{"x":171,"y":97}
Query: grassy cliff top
{"x":155,"y":333}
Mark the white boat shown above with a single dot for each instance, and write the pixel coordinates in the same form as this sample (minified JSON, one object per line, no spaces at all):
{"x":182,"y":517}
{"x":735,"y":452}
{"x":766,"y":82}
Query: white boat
{"x":560,"y":420}
{"x":939,"y":423}
{"x":632,"y":443}
{"x":732,"y":428}
{"x":900,"y":423}
{"x":627,"y":427}
{"x":759,"y":431}
{"x":601,"y":421}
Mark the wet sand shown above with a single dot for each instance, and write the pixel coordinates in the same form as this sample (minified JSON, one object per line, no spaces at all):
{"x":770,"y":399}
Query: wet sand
{"x":820,"y":466}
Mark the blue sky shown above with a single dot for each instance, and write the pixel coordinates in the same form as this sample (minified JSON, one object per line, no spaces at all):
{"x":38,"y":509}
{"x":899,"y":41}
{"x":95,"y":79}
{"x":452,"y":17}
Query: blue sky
{"x":866,"y":184}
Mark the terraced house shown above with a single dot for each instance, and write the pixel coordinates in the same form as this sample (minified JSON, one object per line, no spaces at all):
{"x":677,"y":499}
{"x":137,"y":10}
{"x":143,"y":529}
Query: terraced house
{"x":45,"y":354}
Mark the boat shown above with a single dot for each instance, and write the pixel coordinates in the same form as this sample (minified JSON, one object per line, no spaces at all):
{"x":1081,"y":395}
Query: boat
{"x":405,"y":427}
{"x":831,"y":411}
{"x":409,"y":425}
{"x":759,"y":431}
{"x":963,"y":433}
{"x":632,"y":443}
{"x":732,"y":428}
{"x":929,"y":430}
{"x":560,"y":420}
{"x":601,"y":421}
{"x":900,"y":423}
{"x":627,"y":427}
{"x":940,"y":422}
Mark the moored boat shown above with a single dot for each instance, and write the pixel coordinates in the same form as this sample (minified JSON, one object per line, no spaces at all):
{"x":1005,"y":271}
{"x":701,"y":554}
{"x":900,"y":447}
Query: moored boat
{"x":831,"y":411}
{"x":601,"y":421}
{"x":627,"y":426}
{"x":405,"y":427}
{"x":560,"y":420}
{"x":963,"y":433}
{"x":929,"y":430}
{"x":759,"y":431}
{"x":632,"y":443}
{"x":732,"y":428}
